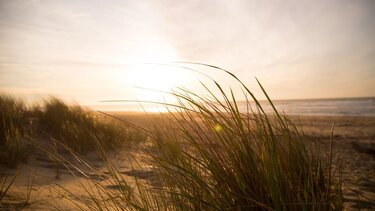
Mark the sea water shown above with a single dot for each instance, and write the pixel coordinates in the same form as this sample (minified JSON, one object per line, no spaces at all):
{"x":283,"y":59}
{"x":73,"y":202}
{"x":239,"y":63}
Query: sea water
{"x":308,"y":107}
{"x":322,"y":107}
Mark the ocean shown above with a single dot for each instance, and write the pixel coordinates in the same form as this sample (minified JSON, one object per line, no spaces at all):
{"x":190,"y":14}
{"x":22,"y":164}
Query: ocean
{"x":324,"y":107}
{"x":308,"y":107}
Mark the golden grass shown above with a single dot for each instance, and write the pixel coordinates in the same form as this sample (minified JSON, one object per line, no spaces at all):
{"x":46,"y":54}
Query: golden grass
{"x":22,"y":128}
{"x":14,"y":131}
{"x":207,"y":155}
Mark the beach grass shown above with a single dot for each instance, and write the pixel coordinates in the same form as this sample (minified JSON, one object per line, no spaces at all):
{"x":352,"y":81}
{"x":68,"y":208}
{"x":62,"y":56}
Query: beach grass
{"x":23,"y":128}
{"x":80,"y":128}
{"x":15,"y":133}
{"x":207,"y":155}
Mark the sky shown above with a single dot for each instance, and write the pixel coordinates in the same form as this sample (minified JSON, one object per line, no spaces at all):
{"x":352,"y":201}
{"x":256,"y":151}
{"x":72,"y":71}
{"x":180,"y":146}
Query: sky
{"x":96,"y":50}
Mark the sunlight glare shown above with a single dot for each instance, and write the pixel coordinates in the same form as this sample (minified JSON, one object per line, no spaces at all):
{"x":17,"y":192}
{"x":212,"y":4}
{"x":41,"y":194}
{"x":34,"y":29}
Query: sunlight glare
{"x":152,"y":75}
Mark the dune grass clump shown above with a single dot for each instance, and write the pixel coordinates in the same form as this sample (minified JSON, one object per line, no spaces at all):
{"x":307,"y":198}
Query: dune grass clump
{"x":79,"y":128}
{"x":14,"y":131}
{"x":22,"y":128}
{"x":221,"y":159}
{"x":212,"y":156}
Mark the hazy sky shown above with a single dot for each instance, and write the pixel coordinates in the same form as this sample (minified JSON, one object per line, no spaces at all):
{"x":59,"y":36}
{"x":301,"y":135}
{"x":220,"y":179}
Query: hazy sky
{"x":92,"y":50}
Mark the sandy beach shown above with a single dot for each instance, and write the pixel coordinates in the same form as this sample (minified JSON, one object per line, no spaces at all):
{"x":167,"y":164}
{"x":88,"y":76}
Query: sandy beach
{"x":354,"y":147}
{"x":52,"y":186}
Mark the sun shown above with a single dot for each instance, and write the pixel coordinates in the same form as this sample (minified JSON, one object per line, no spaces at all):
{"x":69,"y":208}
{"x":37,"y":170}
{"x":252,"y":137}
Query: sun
{"x":157,"y":76}
{"x":153,"y":75}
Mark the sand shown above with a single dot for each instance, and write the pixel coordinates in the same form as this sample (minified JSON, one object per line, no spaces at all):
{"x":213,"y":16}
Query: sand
{"x":354,"y":147}
{"x":54,"y":187}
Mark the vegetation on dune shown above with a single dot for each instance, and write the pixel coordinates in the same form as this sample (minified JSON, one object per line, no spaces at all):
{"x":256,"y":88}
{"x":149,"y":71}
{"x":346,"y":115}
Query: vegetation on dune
{"x":22,"y":128}
{"x":211,"y":156}
{"x":80,"y":129}
{"x":237,"y":161}
{"x":14,"y":131}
